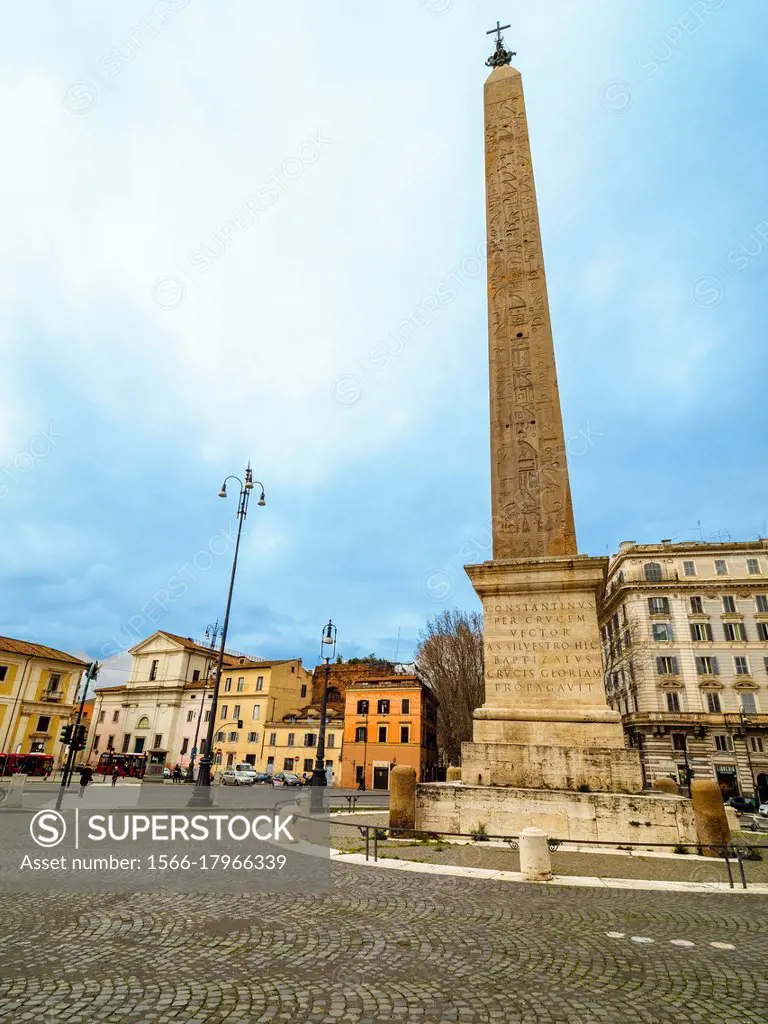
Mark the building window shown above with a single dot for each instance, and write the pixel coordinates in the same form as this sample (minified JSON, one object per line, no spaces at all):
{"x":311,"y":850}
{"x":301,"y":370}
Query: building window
{"x":126,"y":742}
{"x":761,"y":603}
{"x":382,"y":734}
{"x":272,"y":739}
{"x":382,"y":708}
{"x":765,"y":664}
{"x":721,"y":568}
{"x":158,"y":741}
{"x":741,"y":665}
{"x":678,"y":741}
{"x":762,"y":631}
{"x":331,"y":740}
{"x":735,"y":631}
{"x":753,"y":567}
{"x":667,"y":666}
{"x":673,"y":702}
{"x":652,"y":572}
{"x":241,"y":684}
{"x":102,"y":715}
{"x":153,"y":670}
{"x":309,"y":764}
{"x":697,"y":606}
{"x":362,"y":707}
{"x":689,"y":568}
{"x":196,"y":675}
{"x":310,"y":739}
{"x":53,"y":683}
{"x":334,"y":695}
{"x":236,"y":711}
{"x":219,"y":737}
{"x":701,"y":631}
{"x":115,"y":716}
{"x":756,"y":744}
{"x":225,"y":710}
{"x":707,"y":667}
{"x":361,"y":734}
{"x":723,"y":742}
{"x":43,"y":722}
{"x":713,"y":703}
{"x":304,"y":690}
{"x":405,"y":707}
{"x":260,"y":683}
{"x":190,"y":716}
{"x":184,"y":746}
{"x":95,"y":744}
{"x":233,"y":737}
{"x":748,"y":704}
{"x":143,"y":722}
{"x":658,"y":605}
{"x":291,"y":739}
{"x":253,"y":737}
{"x":405,"y":734}
{"x":207,"y":716}
{"x":288,"y":764}
{"x":3,"y":673}
{"x":110,"y":742}
{"x":228,"y":685}
{"x":256,"y":712}
{"x":661,"y":631}
{"x":729,"y":604}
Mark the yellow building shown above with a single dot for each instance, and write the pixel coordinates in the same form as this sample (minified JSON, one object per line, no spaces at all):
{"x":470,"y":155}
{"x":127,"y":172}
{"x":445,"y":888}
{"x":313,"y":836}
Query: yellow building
{"x":38,"y":690}
{"x":252,"y":694}
{"x":290,"y":742}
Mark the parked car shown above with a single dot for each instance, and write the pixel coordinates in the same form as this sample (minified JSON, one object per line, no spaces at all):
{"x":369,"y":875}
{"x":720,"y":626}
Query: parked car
{"x":167,"y":773}
{"x":286,"y":779}
{"x":742,"y":804}
{"x":232,"y":777}
{"x":247,"y":769}
{"x":262,"y":779}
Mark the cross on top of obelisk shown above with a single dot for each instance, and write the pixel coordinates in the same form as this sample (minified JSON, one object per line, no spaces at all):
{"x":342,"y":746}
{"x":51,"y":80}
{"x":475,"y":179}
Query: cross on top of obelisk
{"x":500,"y":56}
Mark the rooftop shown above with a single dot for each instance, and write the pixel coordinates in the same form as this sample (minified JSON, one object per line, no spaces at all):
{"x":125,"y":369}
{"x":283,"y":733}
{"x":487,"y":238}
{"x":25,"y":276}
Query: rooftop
{"x":30,"y":650}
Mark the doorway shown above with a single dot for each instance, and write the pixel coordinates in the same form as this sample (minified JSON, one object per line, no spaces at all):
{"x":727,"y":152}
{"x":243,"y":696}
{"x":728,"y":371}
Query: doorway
{"x":381,"y":776}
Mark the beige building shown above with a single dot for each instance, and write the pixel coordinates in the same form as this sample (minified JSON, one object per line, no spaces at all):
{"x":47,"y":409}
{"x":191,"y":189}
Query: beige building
{"x":38,"y":689}
{"x":290,"y":743}
{"x":684,"y":631}
{"x":166,"y":701}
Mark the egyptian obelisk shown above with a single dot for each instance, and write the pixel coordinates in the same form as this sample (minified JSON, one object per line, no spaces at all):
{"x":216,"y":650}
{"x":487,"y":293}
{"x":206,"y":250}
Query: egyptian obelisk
{"x":545,"y":721}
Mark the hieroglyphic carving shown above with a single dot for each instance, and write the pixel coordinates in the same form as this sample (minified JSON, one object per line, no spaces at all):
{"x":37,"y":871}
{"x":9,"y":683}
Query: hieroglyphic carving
{"x":532,"y":512}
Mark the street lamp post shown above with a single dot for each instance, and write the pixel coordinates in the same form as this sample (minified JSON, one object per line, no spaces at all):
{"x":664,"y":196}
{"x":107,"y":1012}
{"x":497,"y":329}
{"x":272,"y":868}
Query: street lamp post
{"x":204,"y":776}
{"x":319,"y":780}
{"x":211,"y":632}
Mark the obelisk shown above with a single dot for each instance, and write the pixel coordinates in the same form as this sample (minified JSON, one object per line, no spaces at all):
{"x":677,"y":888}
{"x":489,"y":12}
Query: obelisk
{"x":545,"y":721}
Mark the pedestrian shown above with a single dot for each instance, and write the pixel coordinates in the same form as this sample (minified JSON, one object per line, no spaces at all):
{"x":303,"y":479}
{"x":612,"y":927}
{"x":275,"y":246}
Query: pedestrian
{"x":177,"y":773}
{"x":115,"y":776}
{"x":86,"y":774}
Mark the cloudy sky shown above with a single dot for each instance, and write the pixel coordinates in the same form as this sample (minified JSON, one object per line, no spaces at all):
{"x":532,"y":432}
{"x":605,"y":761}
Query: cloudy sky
{"x":217,"y":219}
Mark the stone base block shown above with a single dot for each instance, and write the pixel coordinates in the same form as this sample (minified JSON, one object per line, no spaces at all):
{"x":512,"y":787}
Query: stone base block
{"x":581,"y":735}
{"x":606,"y":817}
{"x":551,"y":767}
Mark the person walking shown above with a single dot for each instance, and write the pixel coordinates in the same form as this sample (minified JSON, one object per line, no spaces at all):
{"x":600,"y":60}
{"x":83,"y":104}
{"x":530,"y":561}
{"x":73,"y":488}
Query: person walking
{"x":86,"y":775}
{"x":115,"y":776}
{"x":177,"y":773}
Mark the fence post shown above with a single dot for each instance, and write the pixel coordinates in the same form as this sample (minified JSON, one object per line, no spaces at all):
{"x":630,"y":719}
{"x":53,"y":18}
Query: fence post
{"x":535,"y":858}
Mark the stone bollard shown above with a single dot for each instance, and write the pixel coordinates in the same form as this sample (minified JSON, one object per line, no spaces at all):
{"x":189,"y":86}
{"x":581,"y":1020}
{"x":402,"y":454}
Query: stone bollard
{"x":453,"y":774}
{"x":535,"y":858}
{"x":666,"y":785}
{"x":15,"y":792}
{"x":402,"y":799}
{"x":709,"y":812}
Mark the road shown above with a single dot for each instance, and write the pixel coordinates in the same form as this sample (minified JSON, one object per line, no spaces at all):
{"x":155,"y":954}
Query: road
{"x":386,"y":946}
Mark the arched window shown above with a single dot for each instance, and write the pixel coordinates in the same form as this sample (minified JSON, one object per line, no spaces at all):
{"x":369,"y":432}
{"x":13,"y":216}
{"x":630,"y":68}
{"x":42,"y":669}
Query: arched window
{"x":652,"y":571}
{"x":143,"y":723}
{"x":334,"y":695}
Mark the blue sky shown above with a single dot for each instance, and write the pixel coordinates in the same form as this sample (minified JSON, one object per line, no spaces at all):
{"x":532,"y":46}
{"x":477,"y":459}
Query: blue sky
{"x":216,"y":217}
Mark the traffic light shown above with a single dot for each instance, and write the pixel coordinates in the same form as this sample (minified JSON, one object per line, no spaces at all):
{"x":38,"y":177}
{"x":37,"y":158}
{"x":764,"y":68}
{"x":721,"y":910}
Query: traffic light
{"x":66,"y":734}
{"x":239,"y":723}
{"x":78,"y":743}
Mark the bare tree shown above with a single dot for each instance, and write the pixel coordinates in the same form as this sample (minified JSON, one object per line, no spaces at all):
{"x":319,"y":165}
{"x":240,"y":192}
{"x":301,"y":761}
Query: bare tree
{"x":450,"y":658}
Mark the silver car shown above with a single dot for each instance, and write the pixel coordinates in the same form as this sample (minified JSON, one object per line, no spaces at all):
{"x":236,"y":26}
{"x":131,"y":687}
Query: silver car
{"x":233,"y":777}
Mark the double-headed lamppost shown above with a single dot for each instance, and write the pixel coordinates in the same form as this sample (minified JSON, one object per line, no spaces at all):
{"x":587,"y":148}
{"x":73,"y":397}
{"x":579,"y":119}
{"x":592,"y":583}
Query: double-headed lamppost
{"x":319,"y":779}
{"x":204,"y":775}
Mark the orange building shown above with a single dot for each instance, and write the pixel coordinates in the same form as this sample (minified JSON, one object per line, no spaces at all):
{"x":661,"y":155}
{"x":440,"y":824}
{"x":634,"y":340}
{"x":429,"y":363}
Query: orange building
{"x":388,"y":722}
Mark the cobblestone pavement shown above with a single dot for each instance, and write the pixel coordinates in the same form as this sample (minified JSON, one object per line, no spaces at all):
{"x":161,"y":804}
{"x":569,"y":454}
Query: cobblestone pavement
{"x":384,"y":946}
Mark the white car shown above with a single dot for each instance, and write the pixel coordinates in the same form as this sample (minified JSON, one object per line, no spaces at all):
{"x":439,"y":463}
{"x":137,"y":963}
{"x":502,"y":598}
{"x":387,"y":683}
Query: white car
{"x":247,"y":769}
{"x":233,"y":777}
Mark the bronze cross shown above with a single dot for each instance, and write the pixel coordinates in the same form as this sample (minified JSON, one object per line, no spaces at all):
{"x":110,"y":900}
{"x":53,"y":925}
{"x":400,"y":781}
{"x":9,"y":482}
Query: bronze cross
{"x":498,"y":30}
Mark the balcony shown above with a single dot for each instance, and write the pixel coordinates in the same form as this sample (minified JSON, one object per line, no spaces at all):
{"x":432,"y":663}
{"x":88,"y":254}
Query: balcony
{"x":53,"y":696}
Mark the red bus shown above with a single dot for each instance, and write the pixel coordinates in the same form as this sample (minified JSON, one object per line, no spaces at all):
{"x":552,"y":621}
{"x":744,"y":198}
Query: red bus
{"x":132,"y":765}
{"x":26,"y":764}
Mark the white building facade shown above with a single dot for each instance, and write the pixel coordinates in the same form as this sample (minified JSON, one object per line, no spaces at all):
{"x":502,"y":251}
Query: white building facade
{"x":684,"y":631}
